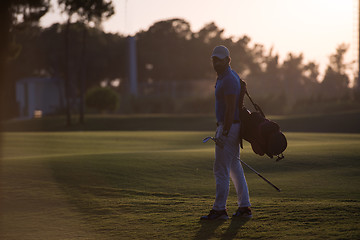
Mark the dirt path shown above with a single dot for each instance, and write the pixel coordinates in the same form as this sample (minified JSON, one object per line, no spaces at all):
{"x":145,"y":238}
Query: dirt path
{"x":33,"y":207}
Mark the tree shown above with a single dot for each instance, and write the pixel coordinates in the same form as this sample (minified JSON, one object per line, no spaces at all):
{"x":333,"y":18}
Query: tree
{"x":336,"y":81}
{"x":271,"y":82}
{"x":311,"y":83}
{"x":292,"y":70}
{"x":42,"y":52}
{"x":87,"y":11}
{"x":240,"y":55}
{"x":201,"y":45}
{"x":14,"y":14}
{"x":300,"y":79}
{"x":165,"y":46}
{"x":211,"y":34}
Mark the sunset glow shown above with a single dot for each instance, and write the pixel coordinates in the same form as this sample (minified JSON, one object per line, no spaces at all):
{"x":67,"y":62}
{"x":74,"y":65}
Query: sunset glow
{"x":314,"y":28}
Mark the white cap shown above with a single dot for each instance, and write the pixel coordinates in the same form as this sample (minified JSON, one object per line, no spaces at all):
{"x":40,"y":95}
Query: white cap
{"x":220,"y":52}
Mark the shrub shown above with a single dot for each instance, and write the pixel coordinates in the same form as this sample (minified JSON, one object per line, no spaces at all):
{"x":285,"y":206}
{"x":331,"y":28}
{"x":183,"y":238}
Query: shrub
{"x":102,"y":99}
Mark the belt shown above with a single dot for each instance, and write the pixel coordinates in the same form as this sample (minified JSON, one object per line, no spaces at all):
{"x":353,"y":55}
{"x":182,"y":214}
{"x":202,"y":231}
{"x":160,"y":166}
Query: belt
{"x":222,"y":123}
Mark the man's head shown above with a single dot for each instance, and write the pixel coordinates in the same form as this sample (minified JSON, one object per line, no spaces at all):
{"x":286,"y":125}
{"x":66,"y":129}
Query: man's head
{"x":220,"y":59}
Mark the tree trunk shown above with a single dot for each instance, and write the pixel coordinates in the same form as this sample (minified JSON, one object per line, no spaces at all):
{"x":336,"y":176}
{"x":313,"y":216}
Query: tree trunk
{"x":5,"y":21}
{"x":358,"y":79}
{"x":66,"y":73}
{"x":82,"y":77}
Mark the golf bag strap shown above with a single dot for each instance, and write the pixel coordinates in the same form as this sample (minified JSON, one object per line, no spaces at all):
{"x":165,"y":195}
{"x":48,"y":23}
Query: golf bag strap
{"x":241,"y":105}
{"x":257,"y":107}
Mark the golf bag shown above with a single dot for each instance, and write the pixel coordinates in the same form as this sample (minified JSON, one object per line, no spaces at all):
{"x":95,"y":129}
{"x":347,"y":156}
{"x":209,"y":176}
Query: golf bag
{"x":263,"y":134}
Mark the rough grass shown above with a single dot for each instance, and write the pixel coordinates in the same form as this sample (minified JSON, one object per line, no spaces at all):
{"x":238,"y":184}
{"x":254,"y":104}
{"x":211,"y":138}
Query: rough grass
{"x":156,"y":185}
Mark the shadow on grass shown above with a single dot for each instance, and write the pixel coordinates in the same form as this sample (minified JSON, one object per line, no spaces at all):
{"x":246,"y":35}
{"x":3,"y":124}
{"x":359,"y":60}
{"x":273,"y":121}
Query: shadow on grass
{"x":234,"y":227}
{"x":208,"y":229}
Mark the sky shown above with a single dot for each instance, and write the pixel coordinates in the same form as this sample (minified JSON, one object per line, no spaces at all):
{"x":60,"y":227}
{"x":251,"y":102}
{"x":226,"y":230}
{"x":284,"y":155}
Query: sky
{"x":312,"y":27}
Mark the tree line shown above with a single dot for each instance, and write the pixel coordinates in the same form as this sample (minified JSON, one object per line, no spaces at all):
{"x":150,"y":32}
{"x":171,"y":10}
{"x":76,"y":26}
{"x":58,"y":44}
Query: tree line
{"x":169,"y":52}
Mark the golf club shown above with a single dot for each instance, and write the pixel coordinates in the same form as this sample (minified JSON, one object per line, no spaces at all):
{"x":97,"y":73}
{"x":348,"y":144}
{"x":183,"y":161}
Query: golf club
{"x":214,"y":139}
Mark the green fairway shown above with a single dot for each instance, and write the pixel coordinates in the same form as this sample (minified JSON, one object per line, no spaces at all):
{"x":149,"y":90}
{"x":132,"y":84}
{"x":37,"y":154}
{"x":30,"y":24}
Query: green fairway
{"x":157,"y":184}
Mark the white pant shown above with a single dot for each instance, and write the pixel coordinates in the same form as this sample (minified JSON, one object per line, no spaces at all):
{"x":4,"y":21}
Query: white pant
{"x":227,"y":165}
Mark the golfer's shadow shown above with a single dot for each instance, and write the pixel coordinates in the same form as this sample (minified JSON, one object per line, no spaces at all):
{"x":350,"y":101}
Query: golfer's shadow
{"x":208,"y":228}
{"x":234,"y":227}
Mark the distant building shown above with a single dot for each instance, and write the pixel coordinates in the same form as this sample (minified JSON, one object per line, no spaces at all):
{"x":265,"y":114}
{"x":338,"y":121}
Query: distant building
{"x":37,"y":97}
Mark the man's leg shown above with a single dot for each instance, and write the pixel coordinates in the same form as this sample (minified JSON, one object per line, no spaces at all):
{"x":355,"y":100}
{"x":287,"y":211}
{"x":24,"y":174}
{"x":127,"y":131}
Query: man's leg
{"x":224,"y":158}
{"x":222,"y":167}
{"x":238,"y":178}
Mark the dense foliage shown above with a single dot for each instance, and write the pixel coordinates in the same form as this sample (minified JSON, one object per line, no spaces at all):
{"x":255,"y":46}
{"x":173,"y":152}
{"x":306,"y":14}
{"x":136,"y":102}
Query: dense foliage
{"x":174,"y":68}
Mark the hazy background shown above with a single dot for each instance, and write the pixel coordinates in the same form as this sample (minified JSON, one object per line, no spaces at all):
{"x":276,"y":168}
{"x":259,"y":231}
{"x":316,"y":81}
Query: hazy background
{"x":313,"y":28}
{"x":297,"y":57}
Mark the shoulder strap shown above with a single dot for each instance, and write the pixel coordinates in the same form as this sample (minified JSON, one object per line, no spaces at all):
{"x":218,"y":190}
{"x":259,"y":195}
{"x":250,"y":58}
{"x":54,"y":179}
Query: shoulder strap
{"x":242,"y":93}
{"x":257,"y":107}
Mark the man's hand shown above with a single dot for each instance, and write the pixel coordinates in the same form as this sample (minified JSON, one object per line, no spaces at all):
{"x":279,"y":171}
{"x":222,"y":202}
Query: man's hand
{"x":220,"y":141}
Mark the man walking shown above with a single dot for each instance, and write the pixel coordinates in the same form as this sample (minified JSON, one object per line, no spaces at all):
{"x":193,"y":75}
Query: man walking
{"x":226,"y":166}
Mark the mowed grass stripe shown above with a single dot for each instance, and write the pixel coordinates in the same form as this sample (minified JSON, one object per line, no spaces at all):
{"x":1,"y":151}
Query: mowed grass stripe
{"x":30,"y":144}
{"x":49,"y":156}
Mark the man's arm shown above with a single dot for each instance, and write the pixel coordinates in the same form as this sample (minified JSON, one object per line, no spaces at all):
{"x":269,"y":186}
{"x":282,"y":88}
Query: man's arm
{"x":230,"y":104}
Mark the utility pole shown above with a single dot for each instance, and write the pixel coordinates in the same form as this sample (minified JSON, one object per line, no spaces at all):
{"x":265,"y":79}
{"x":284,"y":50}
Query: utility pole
{"x":132,"y":66}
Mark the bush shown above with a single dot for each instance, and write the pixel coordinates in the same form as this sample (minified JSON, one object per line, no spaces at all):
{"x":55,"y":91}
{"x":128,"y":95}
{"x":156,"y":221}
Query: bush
{"x":102,"y":99}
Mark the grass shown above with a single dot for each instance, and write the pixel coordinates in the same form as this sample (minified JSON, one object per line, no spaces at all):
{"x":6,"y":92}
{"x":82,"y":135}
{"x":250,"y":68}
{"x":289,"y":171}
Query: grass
{"x":156,"y":185}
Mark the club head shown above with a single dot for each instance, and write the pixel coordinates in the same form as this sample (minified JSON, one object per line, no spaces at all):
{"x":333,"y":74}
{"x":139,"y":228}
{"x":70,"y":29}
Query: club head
{"x":206,"y":139}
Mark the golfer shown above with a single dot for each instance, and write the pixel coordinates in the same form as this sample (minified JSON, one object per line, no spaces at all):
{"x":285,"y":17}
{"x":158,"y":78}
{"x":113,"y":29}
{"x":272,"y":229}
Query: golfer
{"x":226,"y":166}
